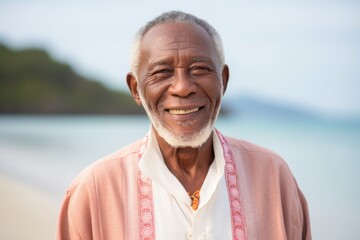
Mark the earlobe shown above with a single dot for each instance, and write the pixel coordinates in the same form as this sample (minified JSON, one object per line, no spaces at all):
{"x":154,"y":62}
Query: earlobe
{"x":133,"y":87}
{"x":225,"y":77}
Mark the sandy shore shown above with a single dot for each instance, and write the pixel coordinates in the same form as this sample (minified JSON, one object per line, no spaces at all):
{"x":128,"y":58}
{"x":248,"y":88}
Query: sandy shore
{"x":26,"y":212}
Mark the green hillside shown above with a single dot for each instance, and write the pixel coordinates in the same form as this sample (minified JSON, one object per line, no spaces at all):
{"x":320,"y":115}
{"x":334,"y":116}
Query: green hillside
{"x":32,"y":82}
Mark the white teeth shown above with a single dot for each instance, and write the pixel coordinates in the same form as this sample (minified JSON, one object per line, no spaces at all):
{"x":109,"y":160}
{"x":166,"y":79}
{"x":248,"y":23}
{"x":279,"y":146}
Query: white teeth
{"x":182,"y":112}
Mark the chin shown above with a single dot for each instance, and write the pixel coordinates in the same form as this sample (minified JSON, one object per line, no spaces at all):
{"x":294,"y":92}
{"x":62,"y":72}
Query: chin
{"x":179,"y":140}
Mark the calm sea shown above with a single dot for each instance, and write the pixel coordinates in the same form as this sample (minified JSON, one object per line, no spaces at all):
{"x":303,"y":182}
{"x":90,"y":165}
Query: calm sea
{"x":324,"y":156}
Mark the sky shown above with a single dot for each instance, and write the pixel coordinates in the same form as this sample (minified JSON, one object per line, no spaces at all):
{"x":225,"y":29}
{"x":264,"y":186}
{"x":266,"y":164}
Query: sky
{"x":303,"y":53}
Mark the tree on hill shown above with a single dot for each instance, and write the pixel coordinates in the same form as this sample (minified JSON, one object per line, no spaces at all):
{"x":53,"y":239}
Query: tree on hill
{"x":32,"y":82}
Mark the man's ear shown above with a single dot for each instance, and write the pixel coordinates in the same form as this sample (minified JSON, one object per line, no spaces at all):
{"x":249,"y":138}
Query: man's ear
{"x":133,"y":87}
{"x":225,"y":77}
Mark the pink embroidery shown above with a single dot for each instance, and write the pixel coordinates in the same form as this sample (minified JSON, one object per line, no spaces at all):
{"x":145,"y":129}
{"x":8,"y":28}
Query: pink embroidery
{"x":237,"y":214}
{"x":146,"y":206}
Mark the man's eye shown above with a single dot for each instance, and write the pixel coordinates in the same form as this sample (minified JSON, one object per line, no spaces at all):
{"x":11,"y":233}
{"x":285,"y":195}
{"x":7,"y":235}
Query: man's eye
{"x":163,"y":72}
{"x":199,"y":70}
{"x":167,"y":70}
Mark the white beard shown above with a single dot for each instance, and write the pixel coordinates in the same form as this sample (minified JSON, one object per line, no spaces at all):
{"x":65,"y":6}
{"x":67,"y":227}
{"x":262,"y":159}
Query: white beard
{"x":178,"y":140}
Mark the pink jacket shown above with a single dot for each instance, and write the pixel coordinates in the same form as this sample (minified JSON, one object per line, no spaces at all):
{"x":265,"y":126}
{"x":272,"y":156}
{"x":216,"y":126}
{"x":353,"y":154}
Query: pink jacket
{"x":112,"y":200}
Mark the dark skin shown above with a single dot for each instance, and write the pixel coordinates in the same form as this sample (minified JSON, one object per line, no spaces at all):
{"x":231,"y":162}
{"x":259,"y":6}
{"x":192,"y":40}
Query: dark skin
{"x":179,"y":69}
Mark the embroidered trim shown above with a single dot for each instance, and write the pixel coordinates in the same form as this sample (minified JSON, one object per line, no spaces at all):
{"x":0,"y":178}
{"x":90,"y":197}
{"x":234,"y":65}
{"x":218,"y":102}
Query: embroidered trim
{"x":146,"y":205}
{"x":237,"y":214}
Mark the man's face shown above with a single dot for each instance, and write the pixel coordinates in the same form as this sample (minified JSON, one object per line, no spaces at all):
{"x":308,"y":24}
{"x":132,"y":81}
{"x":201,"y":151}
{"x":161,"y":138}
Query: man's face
{"x":181,"y":82}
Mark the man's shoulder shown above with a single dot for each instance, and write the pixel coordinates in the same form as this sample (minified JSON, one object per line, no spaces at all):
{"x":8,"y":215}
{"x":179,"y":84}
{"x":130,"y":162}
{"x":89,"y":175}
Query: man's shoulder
{"x":116,"y":164}
{"x":253,"y":153}
{"x":123,"y":154}
{"x":247,"y":146}
{"x":257,"y":162}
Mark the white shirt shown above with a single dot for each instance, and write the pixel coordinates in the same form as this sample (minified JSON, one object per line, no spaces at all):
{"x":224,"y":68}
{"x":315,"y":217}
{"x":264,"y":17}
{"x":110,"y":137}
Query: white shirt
{"x":174,"y":217}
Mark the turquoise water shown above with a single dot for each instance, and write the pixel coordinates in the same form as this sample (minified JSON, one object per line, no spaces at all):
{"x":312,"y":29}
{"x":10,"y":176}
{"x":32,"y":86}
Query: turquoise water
{"x":323,"y":155}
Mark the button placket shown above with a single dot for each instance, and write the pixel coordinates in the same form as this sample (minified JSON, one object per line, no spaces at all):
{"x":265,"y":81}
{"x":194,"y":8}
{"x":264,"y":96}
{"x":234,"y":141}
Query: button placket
{"x":206,"y":234}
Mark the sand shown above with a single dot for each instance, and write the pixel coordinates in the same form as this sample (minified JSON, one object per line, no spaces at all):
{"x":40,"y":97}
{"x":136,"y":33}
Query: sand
{"x":26,"y":212}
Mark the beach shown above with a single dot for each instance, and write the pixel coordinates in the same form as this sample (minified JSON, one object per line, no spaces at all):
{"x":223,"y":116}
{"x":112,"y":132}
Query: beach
{"x":26,"y":212}
{"x":40,"y":156}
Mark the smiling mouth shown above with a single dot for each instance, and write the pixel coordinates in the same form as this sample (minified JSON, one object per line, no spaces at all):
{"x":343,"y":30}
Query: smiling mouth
{"x":182,"y":111}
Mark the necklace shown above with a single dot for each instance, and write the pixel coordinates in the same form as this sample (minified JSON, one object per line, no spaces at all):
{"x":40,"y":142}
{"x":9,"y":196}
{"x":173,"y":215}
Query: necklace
{"x":195,"y":197}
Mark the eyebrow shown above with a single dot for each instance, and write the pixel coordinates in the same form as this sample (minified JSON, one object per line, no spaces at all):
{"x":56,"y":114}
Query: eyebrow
{"x":167,"y":61}
{"x":163,"y":61}
{"x":200,"y":59}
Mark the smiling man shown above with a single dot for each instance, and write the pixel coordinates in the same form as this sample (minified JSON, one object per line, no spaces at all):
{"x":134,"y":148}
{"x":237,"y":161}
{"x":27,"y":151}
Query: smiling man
{"x":184,"y":180}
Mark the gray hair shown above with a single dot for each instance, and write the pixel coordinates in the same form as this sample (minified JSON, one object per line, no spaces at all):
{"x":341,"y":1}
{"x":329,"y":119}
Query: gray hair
{"x":173,"y":17}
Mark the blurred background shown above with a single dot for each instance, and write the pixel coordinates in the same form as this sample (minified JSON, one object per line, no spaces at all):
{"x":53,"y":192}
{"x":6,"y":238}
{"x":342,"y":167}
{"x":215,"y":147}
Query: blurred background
{"x":294,"y":88}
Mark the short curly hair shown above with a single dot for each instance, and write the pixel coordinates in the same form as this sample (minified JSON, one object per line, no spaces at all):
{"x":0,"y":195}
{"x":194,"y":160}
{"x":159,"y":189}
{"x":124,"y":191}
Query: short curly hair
{"x":173,"y":17}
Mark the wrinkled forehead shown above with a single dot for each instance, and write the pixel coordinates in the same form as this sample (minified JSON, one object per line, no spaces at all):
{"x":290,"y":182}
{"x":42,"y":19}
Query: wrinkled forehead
{"x":178,"y":36}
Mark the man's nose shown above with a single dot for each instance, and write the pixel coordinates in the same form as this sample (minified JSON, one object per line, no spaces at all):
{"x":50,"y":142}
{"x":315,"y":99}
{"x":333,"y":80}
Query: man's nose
{"x":182,"y":84}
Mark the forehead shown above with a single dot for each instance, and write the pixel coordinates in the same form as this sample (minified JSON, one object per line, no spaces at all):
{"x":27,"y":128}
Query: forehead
{"x":169,"y":39}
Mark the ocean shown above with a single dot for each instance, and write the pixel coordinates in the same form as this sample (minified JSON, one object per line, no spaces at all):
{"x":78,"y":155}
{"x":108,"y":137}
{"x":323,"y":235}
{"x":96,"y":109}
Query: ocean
{"x":324,"y":156}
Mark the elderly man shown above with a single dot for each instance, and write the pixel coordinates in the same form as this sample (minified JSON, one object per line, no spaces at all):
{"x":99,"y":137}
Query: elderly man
{"x":184,"y":180}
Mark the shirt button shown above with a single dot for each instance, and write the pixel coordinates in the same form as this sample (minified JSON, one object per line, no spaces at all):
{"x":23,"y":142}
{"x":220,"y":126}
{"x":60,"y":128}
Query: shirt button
{"x":206,"y":235}
{"x":189,"y":236}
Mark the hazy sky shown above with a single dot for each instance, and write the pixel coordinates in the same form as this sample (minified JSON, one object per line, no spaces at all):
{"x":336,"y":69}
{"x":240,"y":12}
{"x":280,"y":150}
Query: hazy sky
{"x":299,"y":52}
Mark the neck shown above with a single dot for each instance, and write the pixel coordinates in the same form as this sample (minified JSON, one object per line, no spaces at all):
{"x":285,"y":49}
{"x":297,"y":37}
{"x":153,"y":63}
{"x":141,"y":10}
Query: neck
{"x":188,"y":165}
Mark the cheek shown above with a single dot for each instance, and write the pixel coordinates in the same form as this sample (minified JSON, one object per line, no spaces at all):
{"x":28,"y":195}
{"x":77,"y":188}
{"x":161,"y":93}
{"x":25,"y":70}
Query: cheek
{"x":153,"y":95}
{"x":214,"y":90}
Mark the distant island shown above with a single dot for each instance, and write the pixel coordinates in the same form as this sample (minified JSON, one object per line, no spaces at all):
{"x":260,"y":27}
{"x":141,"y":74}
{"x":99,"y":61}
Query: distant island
{"x":31,"y":82}
{"x":247,"y":105}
